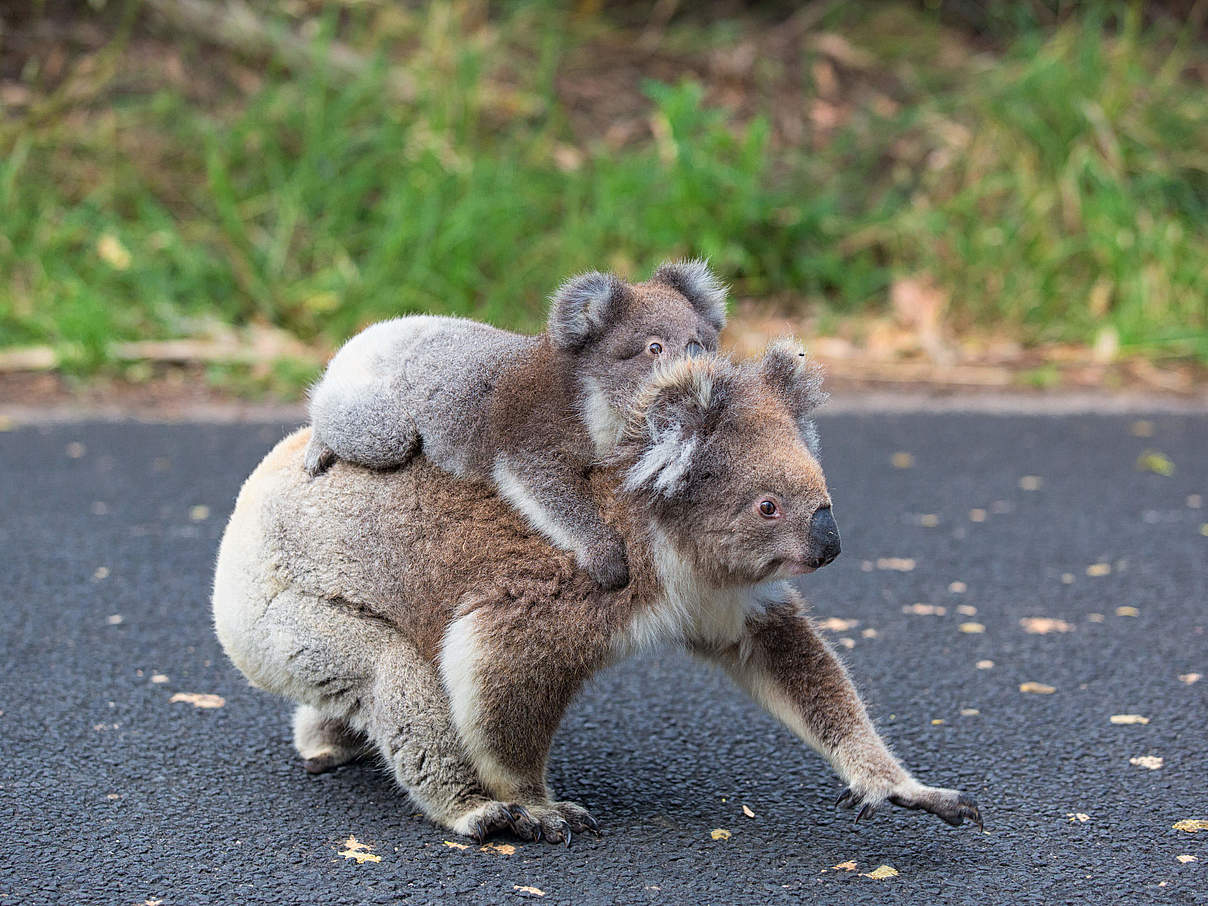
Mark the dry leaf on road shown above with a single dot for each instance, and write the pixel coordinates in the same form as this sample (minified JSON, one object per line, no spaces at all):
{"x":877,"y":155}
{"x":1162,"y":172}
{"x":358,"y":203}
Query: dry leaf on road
{"x":1152,"y":762}
{"x":199,"y":699}
{"x":881,"y":873}
{"x":1037,"y":688}
{"x":355,"y":849}
{"x":1044,"y":625}
{"x":720,"y":833}
{"x":1191,"y":825}
{"x":524,"y":888}
{"x":1129,"y":719}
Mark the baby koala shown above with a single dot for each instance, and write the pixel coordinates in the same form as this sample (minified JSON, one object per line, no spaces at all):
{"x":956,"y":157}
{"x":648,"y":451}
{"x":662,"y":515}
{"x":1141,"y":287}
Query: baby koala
{"x":530,"y":413}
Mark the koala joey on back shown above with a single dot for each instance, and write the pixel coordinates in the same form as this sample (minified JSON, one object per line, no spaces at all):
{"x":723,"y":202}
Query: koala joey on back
{"x":529,"y":413}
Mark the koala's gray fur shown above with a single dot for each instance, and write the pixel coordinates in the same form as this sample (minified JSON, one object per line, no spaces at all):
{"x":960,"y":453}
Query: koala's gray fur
{"x":528,"y":413}
{"x":423,"y":617}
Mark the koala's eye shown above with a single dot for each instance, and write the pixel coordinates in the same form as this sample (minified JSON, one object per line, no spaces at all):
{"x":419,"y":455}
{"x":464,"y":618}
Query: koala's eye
{"x":768,"y":509}
{"x":655,"y":348}
{"x":694,"y":349}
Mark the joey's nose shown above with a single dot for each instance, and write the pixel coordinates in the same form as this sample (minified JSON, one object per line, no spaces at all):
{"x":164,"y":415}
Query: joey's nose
{"x":824,"y":538}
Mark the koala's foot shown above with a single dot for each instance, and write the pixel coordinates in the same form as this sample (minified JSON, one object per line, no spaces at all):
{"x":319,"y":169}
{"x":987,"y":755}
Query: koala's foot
{"x":553,"y":822}
{"x":608,"y":565}
{"x":324,"y":743}
{"x":951,"y":806}
{"x":319,"y":457}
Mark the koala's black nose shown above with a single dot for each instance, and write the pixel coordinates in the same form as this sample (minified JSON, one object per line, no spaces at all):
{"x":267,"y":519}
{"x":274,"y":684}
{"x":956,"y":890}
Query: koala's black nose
{"x":824,"y":538}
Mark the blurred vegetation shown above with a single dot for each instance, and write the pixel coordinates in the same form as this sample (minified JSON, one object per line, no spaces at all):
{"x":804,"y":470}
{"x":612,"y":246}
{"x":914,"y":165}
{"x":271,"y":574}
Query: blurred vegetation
{"x":1052,"y":178}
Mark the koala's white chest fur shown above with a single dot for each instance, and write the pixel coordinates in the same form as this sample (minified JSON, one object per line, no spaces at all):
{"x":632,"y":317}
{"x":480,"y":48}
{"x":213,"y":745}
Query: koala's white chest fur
{"x":689,"y":609}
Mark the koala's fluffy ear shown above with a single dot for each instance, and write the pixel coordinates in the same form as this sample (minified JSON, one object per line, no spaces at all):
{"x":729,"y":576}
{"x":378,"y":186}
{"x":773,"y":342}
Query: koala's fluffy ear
{"x":797,"y":383}
{"x":583,"y":307}
{"x":699,"y":285}
{"x":671,"y":414}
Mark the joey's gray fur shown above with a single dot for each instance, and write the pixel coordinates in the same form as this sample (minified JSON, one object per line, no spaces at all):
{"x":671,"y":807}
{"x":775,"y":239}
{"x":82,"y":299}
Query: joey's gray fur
{"x":528,"y":413}
{"x":422,"y":617}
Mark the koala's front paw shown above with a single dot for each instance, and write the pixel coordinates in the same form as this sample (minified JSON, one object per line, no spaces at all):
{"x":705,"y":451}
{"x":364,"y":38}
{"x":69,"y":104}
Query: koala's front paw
{"x":952,"y":806}
{"x":609,"y":566}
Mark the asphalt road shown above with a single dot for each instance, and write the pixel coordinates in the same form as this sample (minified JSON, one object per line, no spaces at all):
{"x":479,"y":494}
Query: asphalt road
{"x":112,"y":793}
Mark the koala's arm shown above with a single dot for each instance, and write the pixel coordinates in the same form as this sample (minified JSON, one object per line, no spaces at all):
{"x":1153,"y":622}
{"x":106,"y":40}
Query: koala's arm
{"x":793,"y":673}
{"x":552,"y":492}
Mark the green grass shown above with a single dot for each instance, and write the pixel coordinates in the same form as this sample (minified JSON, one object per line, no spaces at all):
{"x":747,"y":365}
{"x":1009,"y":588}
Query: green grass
{"x":1056,"y":189}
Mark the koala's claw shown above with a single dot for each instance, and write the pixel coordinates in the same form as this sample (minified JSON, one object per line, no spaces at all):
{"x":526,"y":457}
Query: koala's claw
{"x":319,"y":457}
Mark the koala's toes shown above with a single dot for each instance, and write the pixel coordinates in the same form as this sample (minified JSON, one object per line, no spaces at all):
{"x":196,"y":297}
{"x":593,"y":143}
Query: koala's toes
{"x":864,"y":800}
{"x":950,"y":806}
{"x":488,"y":820}
{"x":579,"y":818}
{"x":319,"y":458}
{"x":555,"y":828}
{"x":321,"y":764}
{"x":522,"y":823}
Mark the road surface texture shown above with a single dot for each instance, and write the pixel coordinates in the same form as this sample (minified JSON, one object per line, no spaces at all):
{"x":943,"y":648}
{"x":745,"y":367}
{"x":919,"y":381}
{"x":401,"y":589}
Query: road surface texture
{"x":956,"y":528}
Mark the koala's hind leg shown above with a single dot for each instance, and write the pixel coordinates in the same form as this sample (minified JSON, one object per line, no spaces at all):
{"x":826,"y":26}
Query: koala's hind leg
{"x":323,"y":742}
{"x":409,"y":722}
{"x":363,"y":422}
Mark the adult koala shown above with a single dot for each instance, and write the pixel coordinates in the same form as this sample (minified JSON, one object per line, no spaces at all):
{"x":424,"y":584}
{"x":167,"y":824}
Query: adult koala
{"x":422,"y":615}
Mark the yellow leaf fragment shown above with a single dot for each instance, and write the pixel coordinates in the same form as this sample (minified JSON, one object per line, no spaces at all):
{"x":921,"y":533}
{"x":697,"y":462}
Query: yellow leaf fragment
{"x":1037,"y":688}
{"x":1156,"y":462}
{"x":898,"y":564}
{"x":868,"y":633}
{"x":969,"y":712}
{"x":358,"y":851}
{"x":746,"y":810}
{"x":938,"y":721}
{"x":902,"y":460}
{"x":159,"y":678}
{"x":452,"y":845}
{"x":1151,"y":762}
{"x":720,"y":833}
{"x":958,"y":587}
{"x":847,"y":643}
{"x":1067,"y":578}
{"x":1099,"y":569}
{"x":199,"y":699}
{"x":1044,"y":625}
{"x":977,"y":514}
{"x":1190,"y":678}
{"x":1204,"y":529}
{"x":966,"y":610}
{"x":100,"y":574}
{"x":1079,"y":817}
{"x":503,"y":849}
{"x":925,"y":610}
{"x":524,"y":888}
{"x":1030,"y":483}
{"x":929,"y":520}
{"x":199,"y":513}
{"x":881,"y":873}
{"x":1128,"y":719}
{"x":1095,"y":618}
{"x":1186,"y":859}
{"x":1191,"y":825}
{"x":114,"y":619}
{"x":1127,"y":611}
{"x":985,"y":665}
{"x":973,"y":628}
{"x":849,"y":865}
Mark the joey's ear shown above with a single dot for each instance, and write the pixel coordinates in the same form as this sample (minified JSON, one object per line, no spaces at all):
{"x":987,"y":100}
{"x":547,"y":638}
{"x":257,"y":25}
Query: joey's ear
{"x":699,"y":285}
{"x":670,"y":422}
{"x":796,"y":382}
{"x":583,"y":307}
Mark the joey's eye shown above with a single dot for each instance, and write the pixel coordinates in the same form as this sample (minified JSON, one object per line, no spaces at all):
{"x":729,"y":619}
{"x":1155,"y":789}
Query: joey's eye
{"x":655,"y":348}
{"x":768,"y":509}
{"x":694,"y":349}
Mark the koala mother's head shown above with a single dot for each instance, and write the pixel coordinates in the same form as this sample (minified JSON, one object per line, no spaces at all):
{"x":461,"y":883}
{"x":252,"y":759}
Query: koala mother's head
{"x":724,"y":457}
{"x":617,"y":332}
